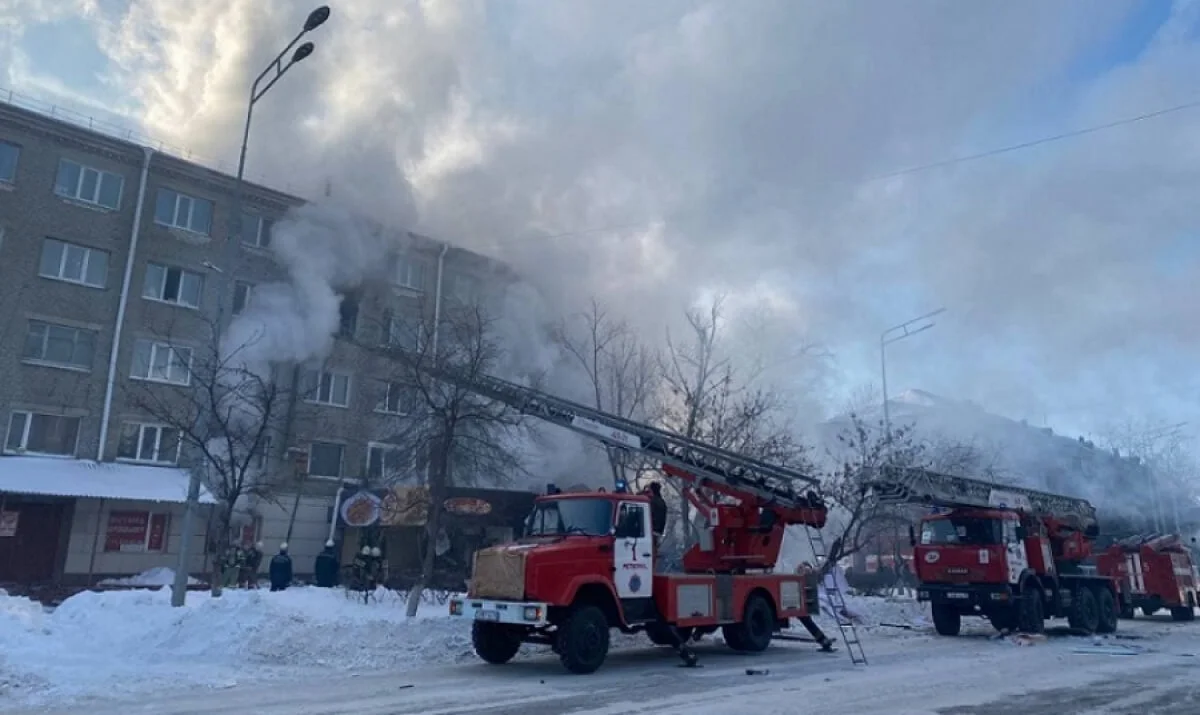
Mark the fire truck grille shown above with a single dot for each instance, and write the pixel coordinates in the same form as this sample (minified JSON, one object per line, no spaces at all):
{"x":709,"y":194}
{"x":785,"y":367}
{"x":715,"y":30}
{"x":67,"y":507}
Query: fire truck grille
{"x":498,"y":573}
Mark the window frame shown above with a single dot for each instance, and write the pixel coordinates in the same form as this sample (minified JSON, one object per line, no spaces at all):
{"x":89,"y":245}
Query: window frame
{"x":262,"y":228}
{"x":381,"y":407}
{"x":406,"y":266}
{"x":162,"y":285}
{"x":27,"y":428}
{"x":417,"y":324}
{"x":88,"y":252}
{"x":384,"y":448}
{"x":341,"y":460}
{"x":45,"y":361}
{"x":318,"y":386}
{"x":158,"y":447}
{"x":101,"y":174}
{"x":191,"y":211}
{"x":247,"y":300}
{"x":155,"y":346}
{"x":17,"y":149}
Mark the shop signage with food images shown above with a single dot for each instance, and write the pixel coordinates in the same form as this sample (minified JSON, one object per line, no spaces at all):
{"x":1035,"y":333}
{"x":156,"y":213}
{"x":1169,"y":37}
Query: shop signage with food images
{"x":361,"y":509}
{"x":467,"y":506}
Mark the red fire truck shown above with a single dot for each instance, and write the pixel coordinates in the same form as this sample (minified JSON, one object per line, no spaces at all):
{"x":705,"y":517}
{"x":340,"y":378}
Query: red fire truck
{"x":586,"y":563}
{"x":1013,"y":555}
{"x":1154,"y":572}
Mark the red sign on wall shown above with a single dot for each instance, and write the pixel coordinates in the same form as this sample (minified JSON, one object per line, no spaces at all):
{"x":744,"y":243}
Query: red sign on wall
{"x":127,"y":531}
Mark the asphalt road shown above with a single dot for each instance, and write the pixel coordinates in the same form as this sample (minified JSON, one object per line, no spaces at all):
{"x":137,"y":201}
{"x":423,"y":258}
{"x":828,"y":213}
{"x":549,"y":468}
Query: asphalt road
{"x":908,"y":673}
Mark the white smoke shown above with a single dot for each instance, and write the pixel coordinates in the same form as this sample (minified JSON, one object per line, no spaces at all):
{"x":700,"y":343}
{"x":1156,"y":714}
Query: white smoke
{"x":327,"y":249}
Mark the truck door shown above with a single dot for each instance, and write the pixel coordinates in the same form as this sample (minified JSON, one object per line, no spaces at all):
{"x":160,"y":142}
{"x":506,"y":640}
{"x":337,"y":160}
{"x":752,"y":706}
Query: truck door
{"x":1014,"y":552}
{"x":633,"y":553}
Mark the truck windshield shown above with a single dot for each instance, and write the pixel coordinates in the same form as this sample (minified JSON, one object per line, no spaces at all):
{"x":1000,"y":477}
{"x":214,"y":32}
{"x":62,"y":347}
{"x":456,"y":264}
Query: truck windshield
{"x":961,"y":530}
{"x":591,"y":517}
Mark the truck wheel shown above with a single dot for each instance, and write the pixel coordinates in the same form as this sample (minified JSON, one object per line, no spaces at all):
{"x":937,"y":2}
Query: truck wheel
{"x":1031,"y":617}
{"x":495,"y":643}
{"x":1183,"y":613}
{"x":1084,"y":615}
{"x":1106,"y":604}
{"x":583,"y":640}
{"x":946,"y":621}
{"x":753,"y":634}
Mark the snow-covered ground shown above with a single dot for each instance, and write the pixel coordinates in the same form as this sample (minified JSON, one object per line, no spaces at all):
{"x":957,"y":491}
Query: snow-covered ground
{"x":114,"y":642}
{"x":161,"y":576}
{"x":309,"y":650}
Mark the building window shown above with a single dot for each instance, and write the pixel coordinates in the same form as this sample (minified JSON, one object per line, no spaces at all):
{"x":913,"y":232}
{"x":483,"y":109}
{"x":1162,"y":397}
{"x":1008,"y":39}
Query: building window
{"x":242,"y":294}
{"x":386,"y":462}
{"x":9,"y":154}
{"x":35,"y":433}
{"x":59,"y":345}
{"x":149,"y":443}
{"x":93,"y":186}
{"x":325,"y":459}
{"x":162,"y":362}
{"x":410,"y":273}
{"x":404,"y":333}
{"x":397,"y":399}
{"x":189,"y":213}
{"x":326,"y":388}
{"x":256,"y":231}
{"x":348,"y":316}
{"x":73,"y":263}
{"x":172,"y":285}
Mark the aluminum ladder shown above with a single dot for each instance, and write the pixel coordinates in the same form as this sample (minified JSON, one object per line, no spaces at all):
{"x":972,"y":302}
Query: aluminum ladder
{"x":849,"y":632}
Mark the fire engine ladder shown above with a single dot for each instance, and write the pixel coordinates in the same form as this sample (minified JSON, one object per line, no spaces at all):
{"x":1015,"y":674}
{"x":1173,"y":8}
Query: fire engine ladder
{"x":837,"y":601}
{"x":921,"y":486}
{"x":771,"y":483}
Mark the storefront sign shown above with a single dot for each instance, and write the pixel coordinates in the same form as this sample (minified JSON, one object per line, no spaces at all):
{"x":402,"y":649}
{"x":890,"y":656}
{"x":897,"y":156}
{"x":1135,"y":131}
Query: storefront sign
{"x":467,"y":506}
{"x":361,"y":509}
{"x":8,"y":522}
{"x":126,"y":531}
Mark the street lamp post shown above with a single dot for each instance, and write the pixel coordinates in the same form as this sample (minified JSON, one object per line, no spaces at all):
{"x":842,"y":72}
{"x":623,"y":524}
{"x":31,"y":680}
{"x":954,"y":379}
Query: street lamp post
{"x":889,"y":336}
{"x":228,"y":256}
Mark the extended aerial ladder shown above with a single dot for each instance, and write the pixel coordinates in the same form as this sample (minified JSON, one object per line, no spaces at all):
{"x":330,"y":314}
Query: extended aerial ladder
{"x":702,"y":465}
{"x":899,"y":485}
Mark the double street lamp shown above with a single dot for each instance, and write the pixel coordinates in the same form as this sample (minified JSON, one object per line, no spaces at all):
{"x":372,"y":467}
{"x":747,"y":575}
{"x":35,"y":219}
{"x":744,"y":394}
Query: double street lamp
{"x":904,"y":330}
{"x":228,"y":256}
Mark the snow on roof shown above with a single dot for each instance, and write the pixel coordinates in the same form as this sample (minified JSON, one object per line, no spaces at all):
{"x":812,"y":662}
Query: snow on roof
{"x":96,"y":480}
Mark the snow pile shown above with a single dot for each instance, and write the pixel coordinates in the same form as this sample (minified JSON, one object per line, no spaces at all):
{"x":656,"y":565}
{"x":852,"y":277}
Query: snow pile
{"x":127,"y":642}
{"x":160,"y":576}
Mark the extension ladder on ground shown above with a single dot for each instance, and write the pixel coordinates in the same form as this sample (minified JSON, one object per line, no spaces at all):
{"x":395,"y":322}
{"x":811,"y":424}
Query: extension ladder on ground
{"x":837,"y":601}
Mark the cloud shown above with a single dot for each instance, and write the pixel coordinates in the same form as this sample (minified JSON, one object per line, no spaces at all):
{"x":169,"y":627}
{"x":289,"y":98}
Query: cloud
{"x":721,"y":145}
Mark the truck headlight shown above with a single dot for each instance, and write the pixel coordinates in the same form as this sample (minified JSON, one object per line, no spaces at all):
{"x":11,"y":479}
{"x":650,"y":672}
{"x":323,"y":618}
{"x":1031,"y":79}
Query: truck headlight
{"x":533,"y":613}
{"x":456,"y":608}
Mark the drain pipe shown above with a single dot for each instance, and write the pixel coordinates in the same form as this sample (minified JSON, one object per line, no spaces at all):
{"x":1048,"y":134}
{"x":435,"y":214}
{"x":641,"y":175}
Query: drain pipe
{"x":437,"y":300}
{"x":110,"y":384}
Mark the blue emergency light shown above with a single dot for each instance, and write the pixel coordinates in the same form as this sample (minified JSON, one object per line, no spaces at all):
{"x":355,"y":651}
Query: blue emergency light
{"x":622,"y":487}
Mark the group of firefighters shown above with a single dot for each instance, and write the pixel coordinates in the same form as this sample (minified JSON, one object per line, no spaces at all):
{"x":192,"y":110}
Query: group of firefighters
{"x":240,"y":564}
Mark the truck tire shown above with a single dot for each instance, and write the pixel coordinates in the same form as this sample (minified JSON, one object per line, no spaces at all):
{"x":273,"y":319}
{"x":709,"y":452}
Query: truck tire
{"x":1183,"y":613}
{"x":1085,"y":614}
{"x":582,"y":640}
{"x":946,"y":620}
{"x":495,"y":643}
{"x":1106,"y":603}
{"x":753,"y":634}
{"x":1031,"y":616}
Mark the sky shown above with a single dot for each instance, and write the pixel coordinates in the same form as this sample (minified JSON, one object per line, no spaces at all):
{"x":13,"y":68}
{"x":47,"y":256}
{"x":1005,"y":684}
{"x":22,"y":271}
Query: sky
{"x":651,"y":154}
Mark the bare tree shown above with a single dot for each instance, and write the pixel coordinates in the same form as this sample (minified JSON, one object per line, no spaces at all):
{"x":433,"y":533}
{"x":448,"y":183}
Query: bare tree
{"x":709,"y":399}
{"x":458,"y":436}
{"x":860,"y":449}
{"x":621,"y":371}
{"x":1169,"y":465}
{"x":214,"y":410}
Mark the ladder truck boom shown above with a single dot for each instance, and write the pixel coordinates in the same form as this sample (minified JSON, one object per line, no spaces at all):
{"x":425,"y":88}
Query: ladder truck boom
{"x":922,"y":486}
{"x":708,"y":465}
